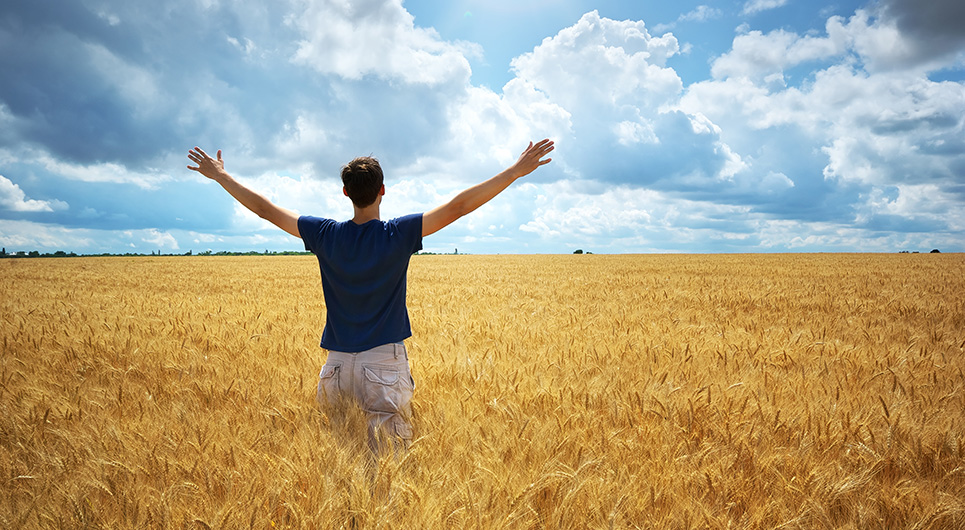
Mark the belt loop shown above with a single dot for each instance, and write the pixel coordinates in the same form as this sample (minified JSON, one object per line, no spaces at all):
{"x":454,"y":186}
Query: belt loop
{"x":395,"y":350}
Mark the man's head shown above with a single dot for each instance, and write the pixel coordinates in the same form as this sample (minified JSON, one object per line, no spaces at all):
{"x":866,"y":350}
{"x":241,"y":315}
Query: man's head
{"x":362,"y":180}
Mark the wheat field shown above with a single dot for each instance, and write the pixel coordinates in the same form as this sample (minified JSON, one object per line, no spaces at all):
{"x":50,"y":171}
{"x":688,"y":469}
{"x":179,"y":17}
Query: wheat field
{"x":705,"y":391}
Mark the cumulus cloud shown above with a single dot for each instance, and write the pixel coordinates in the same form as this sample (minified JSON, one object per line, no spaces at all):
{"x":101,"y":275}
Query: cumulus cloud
{"x":756,"y":56}
{"x":882,"y":136}
{"x":14,"y":199}
{"x":377,"y":38}
{"x":612,"y":79}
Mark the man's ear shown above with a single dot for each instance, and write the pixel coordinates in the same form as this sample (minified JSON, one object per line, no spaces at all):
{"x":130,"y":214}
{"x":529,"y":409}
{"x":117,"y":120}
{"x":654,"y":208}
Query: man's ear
{"x":382,"y":190}
{"x":344,"y":191}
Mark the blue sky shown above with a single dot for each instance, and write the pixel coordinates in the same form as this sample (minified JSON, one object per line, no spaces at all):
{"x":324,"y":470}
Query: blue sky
{"x":712,"y":126}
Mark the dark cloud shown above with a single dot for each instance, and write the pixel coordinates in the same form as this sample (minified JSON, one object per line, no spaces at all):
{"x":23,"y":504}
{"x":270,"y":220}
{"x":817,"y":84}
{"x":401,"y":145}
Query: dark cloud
{"x":905,"y":124}
{"x":937,"y":26}
{"x":61,"y":101}
{"x":67,"y":78}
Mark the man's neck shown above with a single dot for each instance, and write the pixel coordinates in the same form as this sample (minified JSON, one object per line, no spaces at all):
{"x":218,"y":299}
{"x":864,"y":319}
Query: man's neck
{"x":364,"y":215}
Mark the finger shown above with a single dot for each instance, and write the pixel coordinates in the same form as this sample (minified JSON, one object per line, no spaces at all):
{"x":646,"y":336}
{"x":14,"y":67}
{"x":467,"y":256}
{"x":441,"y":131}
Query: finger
{"x":542,"y":148}
{"x":201,"y":152}
{"x":219,"y":155}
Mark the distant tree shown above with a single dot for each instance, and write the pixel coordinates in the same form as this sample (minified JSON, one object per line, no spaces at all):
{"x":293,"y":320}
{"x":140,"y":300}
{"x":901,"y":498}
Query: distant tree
{"x":578,"y":251}
{"x":935,"y":251}
{"x":3,"y":252}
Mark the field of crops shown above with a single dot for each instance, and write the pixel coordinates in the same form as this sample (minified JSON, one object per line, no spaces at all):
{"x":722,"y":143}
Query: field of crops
{"x":718,"y":391}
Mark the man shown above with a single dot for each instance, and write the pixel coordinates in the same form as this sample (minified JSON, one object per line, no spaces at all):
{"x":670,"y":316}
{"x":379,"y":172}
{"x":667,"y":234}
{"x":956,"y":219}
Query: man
{"x":363,"y":263}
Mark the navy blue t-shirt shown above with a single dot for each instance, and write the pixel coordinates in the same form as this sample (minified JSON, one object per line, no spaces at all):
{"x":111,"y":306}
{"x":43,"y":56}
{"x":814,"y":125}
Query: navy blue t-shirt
{"x":363,"y":278}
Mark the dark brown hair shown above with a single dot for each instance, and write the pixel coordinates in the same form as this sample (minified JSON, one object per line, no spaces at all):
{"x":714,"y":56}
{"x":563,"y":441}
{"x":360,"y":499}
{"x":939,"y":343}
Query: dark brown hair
{"x":362,"y":179}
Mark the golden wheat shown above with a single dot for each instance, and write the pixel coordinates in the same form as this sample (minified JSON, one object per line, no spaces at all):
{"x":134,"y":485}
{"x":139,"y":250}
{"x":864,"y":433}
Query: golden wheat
{"x":754,"y":391}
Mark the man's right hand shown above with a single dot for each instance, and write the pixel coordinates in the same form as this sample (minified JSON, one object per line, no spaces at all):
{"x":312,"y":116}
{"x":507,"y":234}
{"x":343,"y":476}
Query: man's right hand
{"x":213,"y":168}
{"x":207,"y":166}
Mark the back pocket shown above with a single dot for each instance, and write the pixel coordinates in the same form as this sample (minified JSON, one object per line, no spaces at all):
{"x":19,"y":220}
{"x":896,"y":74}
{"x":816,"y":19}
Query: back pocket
{"x":386,"y":389}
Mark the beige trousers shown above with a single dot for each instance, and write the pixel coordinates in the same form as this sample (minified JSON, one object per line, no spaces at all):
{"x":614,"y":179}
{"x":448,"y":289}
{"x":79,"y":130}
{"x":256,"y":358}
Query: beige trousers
{"x":380,"y":382}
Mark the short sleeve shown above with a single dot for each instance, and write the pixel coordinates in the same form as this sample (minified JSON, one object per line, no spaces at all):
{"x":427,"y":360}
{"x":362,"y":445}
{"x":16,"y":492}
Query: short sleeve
{"x":311,"y":229}
{"x":410,"y":226}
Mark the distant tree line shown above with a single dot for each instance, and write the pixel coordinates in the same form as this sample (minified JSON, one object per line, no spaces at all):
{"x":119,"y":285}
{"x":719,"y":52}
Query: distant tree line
{"x":63,"y":254}
{"x":36,"y":254}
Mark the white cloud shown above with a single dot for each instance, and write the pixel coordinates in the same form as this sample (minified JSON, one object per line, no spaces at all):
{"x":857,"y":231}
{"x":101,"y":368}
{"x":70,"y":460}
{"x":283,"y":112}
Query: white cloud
{"x":928,"y":202}
{"x":301,"y":193}
{"x":14,"y":199}
{"x":756,"y":55}
{"x":159,"y":239}
{"x":26,"y":236}
{"x":634,"y":132}
{"x":756,"y":6}
{"x":867,"y":123}
{"x":700,"y":14}
{"x":877,"y":41}
{"x":299,"y":140}
{"x":602,"y":61}
{"x":100,"y":172}
{"x":569,"y":215}
{"x":489,"y":131}
{"x":377,"y":38}
{"x":612,"y":80}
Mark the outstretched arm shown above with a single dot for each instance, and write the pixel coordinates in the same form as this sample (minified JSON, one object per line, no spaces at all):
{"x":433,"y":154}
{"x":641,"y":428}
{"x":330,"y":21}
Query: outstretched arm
{"x":212,"y":168}
{"x":474,"y":197}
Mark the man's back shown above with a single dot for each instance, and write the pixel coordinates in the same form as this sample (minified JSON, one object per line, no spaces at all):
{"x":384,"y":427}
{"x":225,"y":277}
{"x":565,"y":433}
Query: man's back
{"x":363,"y":270}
